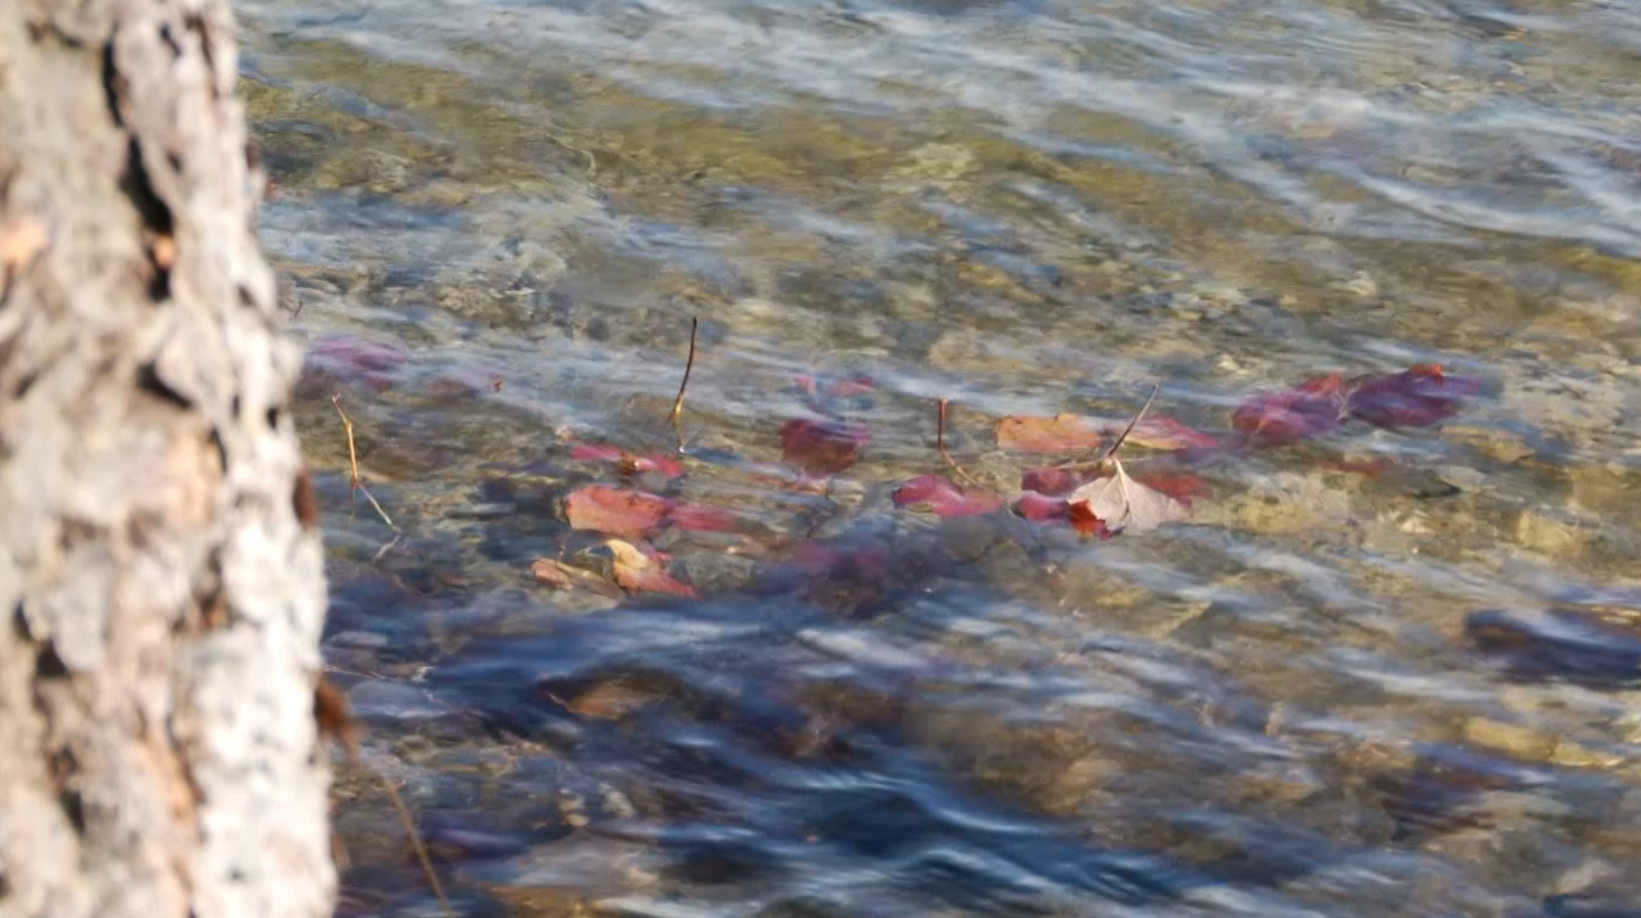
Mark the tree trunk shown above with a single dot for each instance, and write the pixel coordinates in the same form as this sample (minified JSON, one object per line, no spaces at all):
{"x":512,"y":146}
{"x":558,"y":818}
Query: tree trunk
{"x":160,"y":580}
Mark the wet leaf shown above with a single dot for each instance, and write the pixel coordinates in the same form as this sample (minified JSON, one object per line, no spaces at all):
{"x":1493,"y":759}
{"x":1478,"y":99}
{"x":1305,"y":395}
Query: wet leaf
{"x":822,"y":447}
{"x":644,"y":572}
{"x":1416,"y":397}
{"x":335,"y":719}
{"x":616,"y":511}
{"x":1085,"y":522}
{"x":943,"y":498}
{"x":560,"y":576}
{"x":830,"y":387}
{"x":1056,"y":482}
{"x":1062,"y":433}
{"x":1123,"y":503}
{"x":1040,"y":508}
{"x":1161,"y":432}
{"x":352,"y":360}
{"x":1312,"y":408}
{"x":701,"y":518}
{"x":611,"y":700}
{"x":628,"y":463}
{"x":1181,"y":486}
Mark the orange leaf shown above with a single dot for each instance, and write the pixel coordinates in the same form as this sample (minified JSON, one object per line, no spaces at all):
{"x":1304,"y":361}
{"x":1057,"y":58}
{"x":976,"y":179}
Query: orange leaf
{"x":1062,"y":433}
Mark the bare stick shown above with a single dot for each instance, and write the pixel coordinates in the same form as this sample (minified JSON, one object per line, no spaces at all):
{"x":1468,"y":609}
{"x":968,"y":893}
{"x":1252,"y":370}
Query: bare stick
{"x":940,"y":443}
{"x":416,"y":843}
{"x":678,"y":403}
{"x":356,"y":485}
{"x":1111,"y":450}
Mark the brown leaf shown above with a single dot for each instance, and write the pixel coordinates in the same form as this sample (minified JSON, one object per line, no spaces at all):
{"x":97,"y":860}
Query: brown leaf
{"x":609,"y":701}
{"x":561,"y":576}
{"x":334,"y":718}
{"x":644,"y":573}
{"x":1123,"y":503}
{"x":615,"y":511}
{"x":1062,"y":433}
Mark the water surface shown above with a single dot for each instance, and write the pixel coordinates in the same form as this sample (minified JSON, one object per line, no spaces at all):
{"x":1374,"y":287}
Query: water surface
{"x":1376,"y":673}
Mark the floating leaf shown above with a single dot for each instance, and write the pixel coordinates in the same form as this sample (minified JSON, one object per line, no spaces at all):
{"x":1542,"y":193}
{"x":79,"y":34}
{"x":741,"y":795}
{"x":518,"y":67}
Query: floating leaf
{"x":944,"y":498}
{"x":1416,"y":397}
{"x":822,"y":447}
{"x":1123,"y":503}
{"x":628,"y":463}
{"x":1062,"y":433}
{"x":615,"y":511}
{"x":644,"y":572}
{"x":1311,"y":408}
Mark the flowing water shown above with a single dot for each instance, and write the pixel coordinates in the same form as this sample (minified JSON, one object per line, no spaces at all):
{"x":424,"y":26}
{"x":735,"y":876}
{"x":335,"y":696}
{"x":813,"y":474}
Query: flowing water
{"x":1376,"y":672}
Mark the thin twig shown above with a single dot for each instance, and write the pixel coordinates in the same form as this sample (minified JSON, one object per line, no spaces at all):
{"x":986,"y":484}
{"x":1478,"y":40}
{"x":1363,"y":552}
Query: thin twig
{"x":1111,"y":450}
{"x":416,"y":843}
{"x":356,"y":484}
{"x":940,"y":443}
{"x":678,"y":403}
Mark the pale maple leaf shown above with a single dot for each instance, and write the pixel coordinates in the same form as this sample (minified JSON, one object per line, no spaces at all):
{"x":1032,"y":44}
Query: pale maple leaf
{"x":1123,"y":503}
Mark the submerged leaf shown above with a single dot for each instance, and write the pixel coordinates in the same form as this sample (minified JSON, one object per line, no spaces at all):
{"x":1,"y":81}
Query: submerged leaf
{"x":1062,"y":433}
{"x":1311,"y":408}
{"x":1416,"y":397}
{"x":642,"y":572}
{"x":615,"y":511}
{"x":822,"y":447}
{"x":1055,"y":482}
{"x":1039,"y":508}
{"x":560,"y":576}
{"x":1160,"y":431}
{"x":629,"y":463}
{"x":1123,"y":503}
{"x":944,"y":498}
{"x":701,"y":518}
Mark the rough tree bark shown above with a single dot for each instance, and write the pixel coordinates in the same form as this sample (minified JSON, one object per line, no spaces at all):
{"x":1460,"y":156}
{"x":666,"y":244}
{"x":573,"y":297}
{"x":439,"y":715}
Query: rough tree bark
{"x":160,"y":580}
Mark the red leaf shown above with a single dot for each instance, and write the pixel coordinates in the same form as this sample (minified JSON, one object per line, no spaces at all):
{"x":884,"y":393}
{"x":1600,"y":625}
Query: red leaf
{"x":642,"y":572}
{"x":1166,"y":432}
{"x":1040,"y":509}
{"x":348,"y":351}
{"x":1416,"y":397}
{"x":835,"y":387}
{"x":822,"y":447}
{"x":1181,"y":486}
{"x":1062,"y":433}
{"x":701,"y":518}
{"x":349,"y":359}
{"x":628,"y":462}
{"x":945,"y":498}
{"x":1054,"y":482}
{"x":615,"y":511}
{"x":1313,"y":407}
{"x":1085,"y":522}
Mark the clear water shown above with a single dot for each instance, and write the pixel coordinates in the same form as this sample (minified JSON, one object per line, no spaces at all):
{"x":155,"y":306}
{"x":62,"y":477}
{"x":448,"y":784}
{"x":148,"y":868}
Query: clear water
{"x":1289,"y":705}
